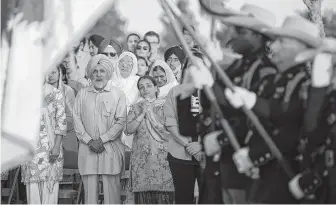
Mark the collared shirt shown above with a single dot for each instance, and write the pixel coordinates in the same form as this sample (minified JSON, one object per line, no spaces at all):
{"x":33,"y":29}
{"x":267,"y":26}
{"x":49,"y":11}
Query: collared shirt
{"x":100,"y":114}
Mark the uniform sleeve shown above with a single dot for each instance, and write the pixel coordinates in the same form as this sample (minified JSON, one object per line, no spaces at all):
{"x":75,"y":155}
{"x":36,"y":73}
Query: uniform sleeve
{"x":60,"y":122}
{"x":81,"y":133}
{"x":119,"y":121}
{"x":314,"y":124}
{"x":316,"y":132}
{"x":275,"y":110}
{"x":170,"y":118}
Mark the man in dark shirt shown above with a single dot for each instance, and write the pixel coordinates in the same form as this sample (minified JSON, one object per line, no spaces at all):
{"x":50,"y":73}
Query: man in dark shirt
{"x":282,"y":112}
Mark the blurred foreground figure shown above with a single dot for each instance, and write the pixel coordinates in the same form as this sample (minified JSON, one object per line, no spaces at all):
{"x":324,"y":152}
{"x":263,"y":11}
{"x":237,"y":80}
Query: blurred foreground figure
{"x":100,"y":115}
{"x":249,"y":71}
{"x":317,"y":177}
{"x":283,"y":112}
{"x":42,"y":174}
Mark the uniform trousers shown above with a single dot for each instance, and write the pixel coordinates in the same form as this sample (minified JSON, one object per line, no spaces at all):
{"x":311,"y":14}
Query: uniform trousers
{"x":111,"y":188}
{"x":38,"y":193}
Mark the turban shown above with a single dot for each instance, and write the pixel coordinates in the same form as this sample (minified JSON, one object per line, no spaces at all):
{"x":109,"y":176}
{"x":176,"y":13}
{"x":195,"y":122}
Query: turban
{"x":101,"y":43}
{"x":102,"y":61}
{"x":116,"y":45}
{"x":177,"y":50}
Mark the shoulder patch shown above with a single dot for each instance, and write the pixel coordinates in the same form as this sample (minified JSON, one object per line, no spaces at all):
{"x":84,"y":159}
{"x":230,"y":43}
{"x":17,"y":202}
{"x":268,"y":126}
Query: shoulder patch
{"x":266,"y":72}
{"x":292,"y":84}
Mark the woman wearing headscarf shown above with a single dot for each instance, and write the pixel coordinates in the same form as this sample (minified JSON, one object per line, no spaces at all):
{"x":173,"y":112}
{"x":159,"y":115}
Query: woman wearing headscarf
{"x":175,"y":57}
{"x":124,"y":77}
{"x":42,"y":174}
{"x":150,"y":180}
{"x":164,"y":77}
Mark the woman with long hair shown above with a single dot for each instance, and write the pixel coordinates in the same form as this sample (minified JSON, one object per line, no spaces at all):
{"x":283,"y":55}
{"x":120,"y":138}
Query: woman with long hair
{"x":150,"y":180}
{"x":56,"y":79}
{"x":143,"y":49}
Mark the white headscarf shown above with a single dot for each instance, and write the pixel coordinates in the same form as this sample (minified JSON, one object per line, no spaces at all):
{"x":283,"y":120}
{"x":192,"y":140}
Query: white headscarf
{"x":127,"y":85}
{"x":171,"y":80}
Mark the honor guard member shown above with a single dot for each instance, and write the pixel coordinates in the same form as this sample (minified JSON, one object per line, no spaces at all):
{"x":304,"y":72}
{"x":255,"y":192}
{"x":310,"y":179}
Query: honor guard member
{"x":317,"y":178}
{"x":281,"y":115}
{"x":247,"y":72}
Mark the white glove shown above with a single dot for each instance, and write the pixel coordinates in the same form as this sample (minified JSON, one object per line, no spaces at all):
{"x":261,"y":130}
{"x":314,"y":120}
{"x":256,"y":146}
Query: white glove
{"x":201,"y":77}
{"x":241,"y":97}
{"x":322,"y":70}
{"x":242,"y":160}
{"x":211,"y":145}
{"x":295,"y":188}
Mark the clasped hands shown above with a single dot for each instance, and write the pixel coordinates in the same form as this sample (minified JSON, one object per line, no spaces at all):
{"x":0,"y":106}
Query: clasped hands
{"x":96,"y":146}
{"x":194,"y":149}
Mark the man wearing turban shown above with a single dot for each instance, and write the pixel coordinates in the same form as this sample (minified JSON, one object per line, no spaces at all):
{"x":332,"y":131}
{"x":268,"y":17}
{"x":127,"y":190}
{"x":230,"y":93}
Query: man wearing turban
{"x":99,"y":116}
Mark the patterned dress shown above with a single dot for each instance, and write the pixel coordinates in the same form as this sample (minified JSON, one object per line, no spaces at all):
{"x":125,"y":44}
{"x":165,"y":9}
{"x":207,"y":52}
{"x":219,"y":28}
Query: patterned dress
{"x":38,"y":169}
{"x":151,"y":179}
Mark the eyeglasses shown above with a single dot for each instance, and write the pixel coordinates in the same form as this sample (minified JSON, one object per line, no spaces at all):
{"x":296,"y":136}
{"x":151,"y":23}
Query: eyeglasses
{"x":144,"y":47}
{"x":110,"y":54}
{"x":155,"y":42}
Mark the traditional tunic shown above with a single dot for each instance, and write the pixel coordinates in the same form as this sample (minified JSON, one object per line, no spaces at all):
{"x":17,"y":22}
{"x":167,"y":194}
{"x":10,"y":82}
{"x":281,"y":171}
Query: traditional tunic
{"x":100,"y":114}
{"x":37,"y":170}
{"x":39,"y":175}
{"x":128,"y":86}
{"x":70,"y":142}
{"x":149,"y":166}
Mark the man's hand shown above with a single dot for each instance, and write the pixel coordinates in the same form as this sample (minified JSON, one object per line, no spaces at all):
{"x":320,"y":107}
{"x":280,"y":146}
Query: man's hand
{"x":101,"y":145}
{"x":96,"y":146}
{"x":322,"y":70}
{"x":193,"y":148}
{"x":241,"y":96}
{"x":242,"y":160}
{"x":211,"y":145}
{"x":201,"y":75}
{"x":295,"y":188}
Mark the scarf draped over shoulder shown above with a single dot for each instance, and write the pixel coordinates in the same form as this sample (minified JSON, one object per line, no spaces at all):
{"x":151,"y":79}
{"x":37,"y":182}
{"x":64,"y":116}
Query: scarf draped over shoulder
{"x":171,"y":80}
{"x":127,"y":85}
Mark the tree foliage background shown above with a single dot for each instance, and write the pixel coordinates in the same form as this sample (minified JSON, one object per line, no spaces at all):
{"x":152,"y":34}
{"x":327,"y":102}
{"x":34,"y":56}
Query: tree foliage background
{"x":168,"y":37}
{"x":112,"y":24}
{"x":328,"y":19}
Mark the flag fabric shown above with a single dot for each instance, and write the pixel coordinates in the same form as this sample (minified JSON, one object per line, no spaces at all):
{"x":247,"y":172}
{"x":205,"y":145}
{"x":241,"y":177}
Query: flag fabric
{"x":36,"y":46}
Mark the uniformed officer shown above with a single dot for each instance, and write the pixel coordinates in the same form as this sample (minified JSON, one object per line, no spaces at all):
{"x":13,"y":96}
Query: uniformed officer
{"x":248,"y":72}
{"x":317,"y":178}
{"x":282,"y":114}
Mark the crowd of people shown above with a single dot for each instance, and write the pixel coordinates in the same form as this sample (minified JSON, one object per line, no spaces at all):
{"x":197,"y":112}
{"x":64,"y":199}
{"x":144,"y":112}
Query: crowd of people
{"x":103,"y":99}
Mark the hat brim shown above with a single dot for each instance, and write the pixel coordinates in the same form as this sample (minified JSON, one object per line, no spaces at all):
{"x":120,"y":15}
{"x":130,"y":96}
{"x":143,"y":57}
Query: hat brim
{"x":311,"y":41}
{"x":327,"y":46}
{"x":246,"y":22}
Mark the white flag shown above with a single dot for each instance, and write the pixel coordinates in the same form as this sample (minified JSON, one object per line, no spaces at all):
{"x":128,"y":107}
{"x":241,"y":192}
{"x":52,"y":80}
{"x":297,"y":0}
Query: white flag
{"x":29,"y":58}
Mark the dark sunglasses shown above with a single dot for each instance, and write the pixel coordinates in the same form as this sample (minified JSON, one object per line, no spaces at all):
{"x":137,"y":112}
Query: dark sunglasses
{"x":139,"y":48}
{"x":111,"y":54}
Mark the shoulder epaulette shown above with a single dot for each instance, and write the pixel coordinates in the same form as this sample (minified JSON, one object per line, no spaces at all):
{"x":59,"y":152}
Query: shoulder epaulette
{"x":266,"y":71}
{"x":247,"y":79}
{"x":292,"y":84}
